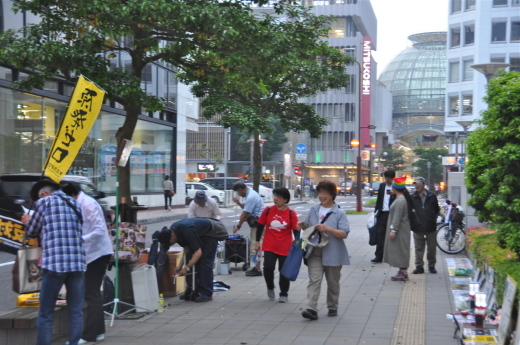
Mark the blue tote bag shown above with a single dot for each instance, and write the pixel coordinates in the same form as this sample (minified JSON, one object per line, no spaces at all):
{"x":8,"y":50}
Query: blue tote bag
{"x":292,"y":264}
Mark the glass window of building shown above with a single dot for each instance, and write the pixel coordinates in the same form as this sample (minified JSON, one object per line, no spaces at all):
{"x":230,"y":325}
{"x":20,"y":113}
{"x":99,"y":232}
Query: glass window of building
{"x":470,"y":5}
{"x":351,"y":28}
{"x":499,"y":2}
{"x":455,"y":37}
{"x":350,"y":50}
{"x":515,"y":64}
{"x":454,"y":72}
{"x":515,"y":31}
{"x":515,"y":2}
{"x":456,"y":6}
{"x":467,"y":104}
{"x":498,"y":59}
{"x":351,"y":86}
{"x":454,"y":105}
{"x":469,"y":34}
{"x":468,"y":71}
{"x":498,"y":32}
{"x":337,"y":28}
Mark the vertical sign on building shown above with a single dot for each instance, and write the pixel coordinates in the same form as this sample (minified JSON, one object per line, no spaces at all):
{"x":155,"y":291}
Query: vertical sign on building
{"x":366,"y":90}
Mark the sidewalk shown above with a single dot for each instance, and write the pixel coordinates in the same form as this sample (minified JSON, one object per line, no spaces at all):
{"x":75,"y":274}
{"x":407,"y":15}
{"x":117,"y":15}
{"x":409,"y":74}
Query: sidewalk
{"x":373,"y":310}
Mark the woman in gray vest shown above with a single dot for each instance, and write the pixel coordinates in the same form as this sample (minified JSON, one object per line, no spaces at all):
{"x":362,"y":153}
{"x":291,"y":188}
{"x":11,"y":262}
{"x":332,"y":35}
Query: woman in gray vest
{"x":332,"y":222}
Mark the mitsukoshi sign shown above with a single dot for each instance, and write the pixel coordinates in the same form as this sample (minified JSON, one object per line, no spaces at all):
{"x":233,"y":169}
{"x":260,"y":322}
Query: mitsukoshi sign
{"x":366,"y":90}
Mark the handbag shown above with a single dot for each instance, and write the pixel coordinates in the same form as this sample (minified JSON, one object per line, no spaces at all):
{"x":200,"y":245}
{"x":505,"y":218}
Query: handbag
{"x":27,"y":270}
{"x":252,"y":220}
{"x":172,"y":193}
{"x":293,"y":262}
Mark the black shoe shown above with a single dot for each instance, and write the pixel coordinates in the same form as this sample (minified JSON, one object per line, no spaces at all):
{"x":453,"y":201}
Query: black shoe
{"x":376,"y":260}
{"x":418,"y":270}
{"x":432,"y":270}
{"x":332,"y":312}
{"x":310,"y":314}
{"x":254,"y":272}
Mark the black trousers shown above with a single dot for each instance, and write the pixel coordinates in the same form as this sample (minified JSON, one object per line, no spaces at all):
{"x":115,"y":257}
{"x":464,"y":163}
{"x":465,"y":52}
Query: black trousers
{"x":382,"y":219}
{"x":270,"y":259}
{"x":94,"y":317}
{"x":167,"y":199}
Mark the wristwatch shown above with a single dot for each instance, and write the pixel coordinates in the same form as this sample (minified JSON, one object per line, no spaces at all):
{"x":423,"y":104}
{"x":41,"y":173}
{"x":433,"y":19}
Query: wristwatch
{"x":238,"y":226}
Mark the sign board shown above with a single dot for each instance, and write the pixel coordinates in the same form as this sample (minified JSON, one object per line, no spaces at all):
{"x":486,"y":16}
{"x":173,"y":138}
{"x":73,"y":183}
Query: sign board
{"x":301,"y":148}
{"x":365,"y":155}
{"x":301,"y":156}
{"x":205,"y":167}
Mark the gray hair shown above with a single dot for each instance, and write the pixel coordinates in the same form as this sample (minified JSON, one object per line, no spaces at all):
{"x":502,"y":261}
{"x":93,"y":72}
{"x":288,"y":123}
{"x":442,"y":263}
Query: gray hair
{"x":47,"y":189}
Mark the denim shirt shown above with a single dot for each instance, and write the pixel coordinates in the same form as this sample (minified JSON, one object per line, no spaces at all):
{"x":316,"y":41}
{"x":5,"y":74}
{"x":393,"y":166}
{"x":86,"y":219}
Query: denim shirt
{"x":335,"y":253}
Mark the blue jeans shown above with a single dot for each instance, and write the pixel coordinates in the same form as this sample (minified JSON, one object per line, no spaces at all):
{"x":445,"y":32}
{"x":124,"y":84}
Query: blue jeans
{"x":51,"y":285}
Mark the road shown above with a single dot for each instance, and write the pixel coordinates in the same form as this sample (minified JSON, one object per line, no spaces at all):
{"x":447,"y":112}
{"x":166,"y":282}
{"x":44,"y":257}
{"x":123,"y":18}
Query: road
{"x":8,"y":297}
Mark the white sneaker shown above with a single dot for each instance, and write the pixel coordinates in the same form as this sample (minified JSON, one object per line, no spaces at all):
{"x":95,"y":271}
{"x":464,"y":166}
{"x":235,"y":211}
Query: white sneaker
{"x":100,"y":337}
{"x":81,"y":341}
{"x":283,"y":299}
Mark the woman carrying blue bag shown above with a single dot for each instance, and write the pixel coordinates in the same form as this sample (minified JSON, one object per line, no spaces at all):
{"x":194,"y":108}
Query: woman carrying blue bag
{"x":332,"y":224}
{"x":280,"y":223}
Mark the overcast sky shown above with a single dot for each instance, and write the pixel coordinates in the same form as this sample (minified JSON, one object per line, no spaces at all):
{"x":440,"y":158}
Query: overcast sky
{"x":398,"y":19}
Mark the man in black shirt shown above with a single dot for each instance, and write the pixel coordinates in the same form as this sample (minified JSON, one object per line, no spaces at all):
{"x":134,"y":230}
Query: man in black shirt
{"x":194,"y":235}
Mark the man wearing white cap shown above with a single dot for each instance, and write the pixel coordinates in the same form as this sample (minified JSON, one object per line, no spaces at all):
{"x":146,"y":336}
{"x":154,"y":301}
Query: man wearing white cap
{"x":426,"y":206}
{"x":203,"y":207}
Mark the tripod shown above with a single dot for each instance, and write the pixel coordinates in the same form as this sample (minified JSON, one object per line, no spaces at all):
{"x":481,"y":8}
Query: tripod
{"x":116,"y":300}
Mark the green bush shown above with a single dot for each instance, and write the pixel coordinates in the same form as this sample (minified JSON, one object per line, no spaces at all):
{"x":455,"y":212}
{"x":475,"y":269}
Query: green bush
{"x":483,"y":245}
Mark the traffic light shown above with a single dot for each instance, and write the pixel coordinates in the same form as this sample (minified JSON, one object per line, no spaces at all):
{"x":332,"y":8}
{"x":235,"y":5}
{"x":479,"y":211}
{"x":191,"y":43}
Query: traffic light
{"x":297,"y":171}
{"x":373,"y":146}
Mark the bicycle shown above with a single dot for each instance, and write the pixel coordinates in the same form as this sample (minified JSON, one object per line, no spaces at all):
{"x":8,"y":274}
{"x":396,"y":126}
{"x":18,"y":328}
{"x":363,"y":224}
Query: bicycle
{"x":451,"y":236}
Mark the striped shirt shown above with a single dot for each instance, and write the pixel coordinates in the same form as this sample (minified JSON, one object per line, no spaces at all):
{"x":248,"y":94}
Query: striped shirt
{"x":60,"y":233}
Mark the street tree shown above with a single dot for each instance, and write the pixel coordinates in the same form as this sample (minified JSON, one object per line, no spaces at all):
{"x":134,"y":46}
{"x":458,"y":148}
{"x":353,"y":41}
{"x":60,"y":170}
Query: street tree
{"x":436,"y":168}
{"x":394,"y":159}
{"x":76,"y":37}
{"x":283,"y":61}
{"x":494,"y":160}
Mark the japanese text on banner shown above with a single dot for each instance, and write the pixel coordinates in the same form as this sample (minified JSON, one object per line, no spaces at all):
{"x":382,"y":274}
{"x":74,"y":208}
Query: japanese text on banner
{"x":83,"y":110}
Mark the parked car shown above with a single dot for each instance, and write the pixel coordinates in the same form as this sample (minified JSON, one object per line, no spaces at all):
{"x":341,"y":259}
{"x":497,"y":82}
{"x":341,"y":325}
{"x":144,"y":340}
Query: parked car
{"x":347,"y":188}
{"x":221,"y":183}
{"x":374,"y":189}
{"x":265,"y":193}
{"x":15,"y":187}
{"x":211,"y":192}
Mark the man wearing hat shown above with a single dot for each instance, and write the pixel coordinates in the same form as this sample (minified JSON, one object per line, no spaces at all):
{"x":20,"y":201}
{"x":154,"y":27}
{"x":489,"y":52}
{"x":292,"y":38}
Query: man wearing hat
{"x":57,"y":221}
{"x":204,"y":207}
{"x":425,"y":237}
{"x":195,"y":236}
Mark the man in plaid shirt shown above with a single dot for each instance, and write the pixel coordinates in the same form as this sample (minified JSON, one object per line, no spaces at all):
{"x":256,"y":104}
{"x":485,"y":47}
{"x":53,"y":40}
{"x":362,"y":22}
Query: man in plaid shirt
{"x":57,"y":221}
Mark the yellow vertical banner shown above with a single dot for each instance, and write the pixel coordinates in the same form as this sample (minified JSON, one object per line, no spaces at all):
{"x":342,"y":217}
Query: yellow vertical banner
{"x":83,"y":110}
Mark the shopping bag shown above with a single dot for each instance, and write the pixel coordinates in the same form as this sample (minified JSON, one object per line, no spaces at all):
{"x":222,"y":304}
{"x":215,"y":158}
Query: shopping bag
{"x":291,"y":266}
{"x":372,"y":230}
{"x":27,"y":270}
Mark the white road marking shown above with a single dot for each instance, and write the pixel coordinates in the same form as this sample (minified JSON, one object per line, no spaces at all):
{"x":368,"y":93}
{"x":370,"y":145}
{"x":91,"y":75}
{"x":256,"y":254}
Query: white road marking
{"x":7,"y":263}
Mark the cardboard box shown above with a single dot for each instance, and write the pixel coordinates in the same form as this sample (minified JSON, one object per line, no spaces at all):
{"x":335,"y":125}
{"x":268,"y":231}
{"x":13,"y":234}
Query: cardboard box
{"x":168,"y":287}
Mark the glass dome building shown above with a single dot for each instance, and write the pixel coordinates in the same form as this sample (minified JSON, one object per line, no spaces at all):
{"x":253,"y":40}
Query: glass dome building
{"x":417,"y":80}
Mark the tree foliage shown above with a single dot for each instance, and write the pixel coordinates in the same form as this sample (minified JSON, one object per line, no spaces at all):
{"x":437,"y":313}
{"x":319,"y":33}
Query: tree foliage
{"x":436,"y":170}
{"x":282,"y":61}
{"x":211,"y":39}
{"x":394,"y":159}
{"x":494,"y":160}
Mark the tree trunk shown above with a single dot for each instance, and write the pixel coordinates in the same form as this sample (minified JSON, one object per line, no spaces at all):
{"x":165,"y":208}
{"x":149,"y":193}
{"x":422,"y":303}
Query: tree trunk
{"x":126,"y":132}
{"x":257,"y":161}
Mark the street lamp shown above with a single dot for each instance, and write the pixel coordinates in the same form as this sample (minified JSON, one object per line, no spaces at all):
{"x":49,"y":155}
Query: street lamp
{"x":490,"y":69}
{"x":429,"y":165}
{"x":356,"y":143}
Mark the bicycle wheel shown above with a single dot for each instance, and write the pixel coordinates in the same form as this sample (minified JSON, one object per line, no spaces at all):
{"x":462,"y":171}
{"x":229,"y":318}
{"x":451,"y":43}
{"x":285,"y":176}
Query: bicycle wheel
{"x":451,"y":242}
